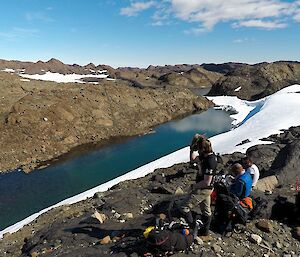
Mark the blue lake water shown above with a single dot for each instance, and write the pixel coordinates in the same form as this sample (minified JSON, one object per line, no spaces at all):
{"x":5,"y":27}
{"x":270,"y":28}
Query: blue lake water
{"x":24,"y":194}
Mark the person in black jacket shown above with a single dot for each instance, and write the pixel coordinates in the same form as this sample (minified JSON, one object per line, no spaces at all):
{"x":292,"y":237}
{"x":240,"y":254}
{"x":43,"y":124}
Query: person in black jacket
{"x":202,"y":189}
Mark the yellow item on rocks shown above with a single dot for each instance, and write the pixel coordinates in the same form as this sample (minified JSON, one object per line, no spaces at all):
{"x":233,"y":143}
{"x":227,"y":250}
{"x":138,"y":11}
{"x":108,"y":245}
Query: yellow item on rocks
{"x":148,"y":230}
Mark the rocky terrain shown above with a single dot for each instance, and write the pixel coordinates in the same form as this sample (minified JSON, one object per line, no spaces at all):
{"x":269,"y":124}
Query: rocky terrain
{"x":52,"y":65}
{"x":253,"y":82}
{"x":187,"y":76}
{"x":246,"y":81}
{"x":39,"y":120}
{"x":129,"y":207}
{"x":184,"y":75}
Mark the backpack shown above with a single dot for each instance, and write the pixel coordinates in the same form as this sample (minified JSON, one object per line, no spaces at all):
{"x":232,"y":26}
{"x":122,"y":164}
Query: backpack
{"x":162,"y":241}
{"x":260,"y":209}
{"x":228,"y":212}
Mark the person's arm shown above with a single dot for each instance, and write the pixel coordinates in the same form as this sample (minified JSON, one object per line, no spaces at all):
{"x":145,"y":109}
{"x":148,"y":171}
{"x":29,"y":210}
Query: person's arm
{"x":255,"y":176}
{"x":194,"y":157}
{"x":203,"y":183}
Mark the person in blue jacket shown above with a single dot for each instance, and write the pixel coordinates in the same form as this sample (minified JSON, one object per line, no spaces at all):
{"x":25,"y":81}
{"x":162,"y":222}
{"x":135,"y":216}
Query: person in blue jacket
{"x":242,"y":184}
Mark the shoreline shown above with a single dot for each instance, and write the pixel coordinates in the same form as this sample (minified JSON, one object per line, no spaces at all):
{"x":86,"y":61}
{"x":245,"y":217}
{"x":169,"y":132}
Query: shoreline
{"x":164,"y":162}
{"x":89,"y":147}
{"x":36,"y":149}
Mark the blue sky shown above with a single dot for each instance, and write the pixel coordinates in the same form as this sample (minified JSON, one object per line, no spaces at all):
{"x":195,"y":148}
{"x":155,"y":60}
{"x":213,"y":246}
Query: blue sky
{"x":140,"y":33}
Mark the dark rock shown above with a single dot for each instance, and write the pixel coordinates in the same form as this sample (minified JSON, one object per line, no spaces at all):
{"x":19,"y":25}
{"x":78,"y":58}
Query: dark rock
{"x":244,"y":142}
{"x":264,"y":156}
{"x":159,"y":178}
{"x":291,"y":163}
{"x":257,"y":81}
{"x":99,"y":195}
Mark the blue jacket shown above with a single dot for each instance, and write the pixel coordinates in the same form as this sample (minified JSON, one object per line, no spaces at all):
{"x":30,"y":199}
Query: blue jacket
{"x":242,"y":186}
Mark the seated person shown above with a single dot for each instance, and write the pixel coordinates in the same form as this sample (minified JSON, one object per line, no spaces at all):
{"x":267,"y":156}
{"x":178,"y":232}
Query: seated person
{"x":252,"y":169}
{"x":242,"y":183}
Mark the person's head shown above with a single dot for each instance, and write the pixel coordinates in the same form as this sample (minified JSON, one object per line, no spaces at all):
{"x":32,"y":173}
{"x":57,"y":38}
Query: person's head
{"x":247,"y":162}
{"x":237,"y":169}
{"x":206,"y":147}
{"x":197,"y":141}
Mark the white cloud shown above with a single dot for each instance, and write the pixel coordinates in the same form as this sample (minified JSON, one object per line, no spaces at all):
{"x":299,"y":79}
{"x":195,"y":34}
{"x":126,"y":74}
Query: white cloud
{"x":261,"y":24}
{"x":135,"y":8}
{"x":297,"y":16}
{"x":206,"y":14}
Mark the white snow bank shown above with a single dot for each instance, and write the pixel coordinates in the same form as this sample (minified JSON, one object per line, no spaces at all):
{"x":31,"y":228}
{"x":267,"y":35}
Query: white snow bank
{"x":267,"y":116}
{"x":62,"y":78}
{"x":231,"y":103}
{"x":8,"y":70}
{"x":257,"y":119}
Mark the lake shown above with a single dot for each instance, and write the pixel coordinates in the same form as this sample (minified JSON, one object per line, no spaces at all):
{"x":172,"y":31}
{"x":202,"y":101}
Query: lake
{"x":24,"y":194}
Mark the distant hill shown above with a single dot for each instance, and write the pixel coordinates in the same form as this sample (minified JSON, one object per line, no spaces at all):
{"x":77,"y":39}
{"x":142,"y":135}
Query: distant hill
{"x":256,"y":81}
{"x":182,"y":75}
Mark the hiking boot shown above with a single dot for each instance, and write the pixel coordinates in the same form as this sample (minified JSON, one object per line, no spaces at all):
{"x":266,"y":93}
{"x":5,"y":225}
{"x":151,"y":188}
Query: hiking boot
{"x":206,"y":225}
{"x":198,"y":226}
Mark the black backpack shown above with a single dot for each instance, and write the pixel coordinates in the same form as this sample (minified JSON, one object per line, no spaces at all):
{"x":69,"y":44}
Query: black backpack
{"x":161,"y":241}
{"x":228,"y":212}
{"x":260,"y":210}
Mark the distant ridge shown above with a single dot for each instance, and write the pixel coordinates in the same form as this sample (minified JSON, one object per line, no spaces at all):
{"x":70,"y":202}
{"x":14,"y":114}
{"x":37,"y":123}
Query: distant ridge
{"x":52,"y":65}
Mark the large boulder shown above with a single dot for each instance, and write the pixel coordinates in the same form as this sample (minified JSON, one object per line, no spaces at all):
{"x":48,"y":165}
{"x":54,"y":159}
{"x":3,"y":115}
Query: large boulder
{"x":290,"y":170}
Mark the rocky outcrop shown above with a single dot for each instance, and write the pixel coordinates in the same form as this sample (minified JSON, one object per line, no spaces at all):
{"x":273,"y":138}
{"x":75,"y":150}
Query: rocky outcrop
{"x":193,"y":78}
{"x":53,"y":65}
{"x":189,"y":76}
{"x":222,"y":68}
{"x":182,"y":75}
{"x":42,"y":120}
{"x":253,"y":82}
{"x":129,"y":207}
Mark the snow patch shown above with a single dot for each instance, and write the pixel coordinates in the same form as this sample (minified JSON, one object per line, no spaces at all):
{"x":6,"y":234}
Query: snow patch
{"x":258,"y":119}
{"x":270,"y":118}
{"x":9,"y":70}
{"x":25,"y":80}
{"x":237,"y":89}
{"x":62,"y":78}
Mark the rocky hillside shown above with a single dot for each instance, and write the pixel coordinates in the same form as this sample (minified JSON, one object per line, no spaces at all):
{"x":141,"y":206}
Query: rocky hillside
{"x":40,"y":121}
{"x":184,"y":75}
{"x":188,"y":76}
{"x":253,"y":82}
{"x":129,"y":207}
{"x":243,"y":80}
{"x":53,"y":65}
